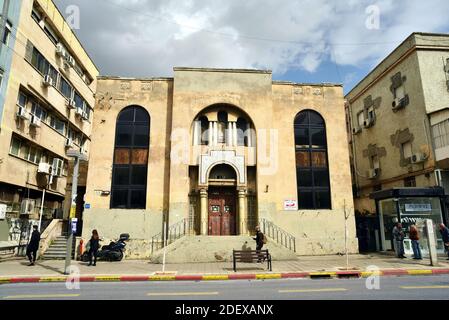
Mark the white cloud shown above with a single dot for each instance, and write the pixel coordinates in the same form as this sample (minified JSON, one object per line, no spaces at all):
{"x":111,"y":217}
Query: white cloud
{"x":150,"y":37}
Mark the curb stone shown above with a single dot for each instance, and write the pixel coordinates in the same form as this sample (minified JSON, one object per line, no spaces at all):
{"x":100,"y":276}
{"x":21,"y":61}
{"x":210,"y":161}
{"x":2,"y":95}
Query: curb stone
{"x":220,"y":277}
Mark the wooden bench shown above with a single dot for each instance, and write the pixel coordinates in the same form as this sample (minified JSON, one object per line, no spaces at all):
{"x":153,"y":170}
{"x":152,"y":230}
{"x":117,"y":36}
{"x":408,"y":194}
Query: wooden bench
{"x":251,"y":256}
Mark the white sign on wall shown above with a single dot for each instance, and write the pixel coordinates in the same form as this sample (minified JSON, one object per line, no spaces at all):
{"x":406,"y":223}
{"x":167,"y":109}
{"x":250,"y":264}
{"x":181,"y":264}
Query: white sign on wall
{"x":413,"y":207}
{"x":2,"y":211}
{"x":290,"y":205}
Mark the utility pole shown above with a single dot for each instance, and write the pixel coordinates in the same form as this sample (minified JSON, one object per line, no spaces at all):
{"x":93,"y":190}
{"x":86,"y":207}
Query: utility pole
{"x":78,"y":156}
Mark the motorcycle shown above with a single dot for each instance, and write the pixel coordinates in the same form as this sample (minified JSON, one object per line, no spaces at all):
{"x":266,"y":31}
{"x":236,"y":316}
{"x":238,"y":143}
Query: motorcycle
{"x":111,"y":252}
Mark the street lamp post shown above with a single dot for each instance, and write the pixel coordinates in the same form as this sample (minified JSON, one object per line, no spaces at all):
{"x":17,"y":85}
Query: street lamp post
{"x":78,"y":156}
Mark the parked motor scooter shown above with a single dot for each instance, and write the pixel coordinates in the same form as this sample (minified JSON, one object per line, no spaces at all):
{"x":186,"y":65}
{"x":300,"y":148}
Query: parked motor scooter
{"x":111,"y":252}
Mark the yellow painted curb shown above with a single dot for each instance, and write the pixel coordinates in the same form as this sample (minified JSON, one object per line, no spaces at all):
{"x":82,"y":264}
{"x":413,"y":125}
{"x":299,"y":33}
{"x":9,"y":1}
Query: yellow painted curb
{"x":52,"y":279}
{"x":107,"y":278}
{"x":419,"y":272}
{"x":269,"y":276}
{"x":161,"y":278}
{"x":216,"y":277}
{"x":5,"y":280}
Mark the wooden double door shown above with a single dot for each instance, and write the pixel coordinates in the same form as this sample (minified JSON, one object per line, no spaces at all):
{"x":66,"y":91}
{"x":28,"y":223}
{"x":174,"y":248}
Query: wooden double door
{"x":222,"y":211}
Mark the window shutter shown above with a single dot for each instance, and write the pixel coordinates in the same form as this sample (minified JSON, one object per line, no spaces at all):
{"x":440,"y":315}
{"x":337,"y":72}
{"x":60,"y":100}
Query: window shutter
{"x":29,"y":51}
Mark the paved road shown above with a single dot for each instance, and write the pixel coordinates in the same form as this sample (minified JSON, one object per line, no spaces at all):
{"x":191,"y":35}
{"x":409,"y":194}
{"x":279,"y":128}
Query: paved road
{"x":408,"y":288}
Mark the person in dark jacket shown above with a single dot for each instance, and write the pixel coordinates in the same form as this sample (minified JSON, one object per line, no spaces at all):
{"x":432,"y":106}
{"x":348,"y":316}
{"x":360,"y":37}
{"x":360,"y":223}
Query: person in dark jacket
{"x":414,"y":236}
{"x":94,"y":246}
{"x":259,"y":240}
{"x":33,"y":246}
{"x":445,"y":235}
{"x":398,"y":237}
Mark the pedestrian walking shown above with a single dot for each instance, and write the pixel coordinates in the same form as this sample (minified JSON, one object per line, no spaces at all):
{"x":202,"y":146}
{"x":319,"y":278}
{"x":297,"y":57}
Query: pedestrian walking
{"x":33,"y":246}
{"x":414,"y":236}
{"x":445,"y":235}
{"x":94,"y":246}
{"x":398,"y":237}
{"x":259,"y":241}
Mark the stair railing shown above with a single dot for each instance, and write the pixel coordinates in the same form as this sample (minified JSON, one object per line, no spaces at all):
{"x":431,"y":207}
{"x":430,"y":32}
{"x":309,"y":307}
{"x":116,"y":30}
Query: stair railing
{"x":174,"y":232}
{"x":279,"y":235}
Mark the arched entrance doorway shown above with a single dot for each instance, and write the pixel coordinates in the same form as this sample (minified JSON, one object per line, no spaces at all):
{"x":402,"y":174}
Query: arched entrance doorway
{"x":222,"y":209}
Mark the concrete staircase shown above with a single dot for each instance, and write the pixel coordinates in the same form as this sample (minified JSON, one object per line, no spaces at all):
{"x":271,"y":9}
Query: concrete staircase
{"x":216,"y":249}
{"x":57,"y":249}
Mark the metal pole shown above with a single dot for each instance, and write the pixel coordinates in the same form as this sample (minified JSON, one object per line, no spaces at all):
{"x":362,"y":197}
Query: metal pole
{"x":41,"y":210}
{"x":68,"y":256}
{"x":165,"y":249}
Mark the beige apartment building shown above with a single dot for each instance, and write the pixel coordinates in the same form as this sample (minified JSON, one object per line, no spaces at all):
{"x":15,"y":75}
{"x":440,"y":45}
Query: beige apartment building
{"x":214,"y":152}
{"x":47,"y":109}
{"x":398,"y":122}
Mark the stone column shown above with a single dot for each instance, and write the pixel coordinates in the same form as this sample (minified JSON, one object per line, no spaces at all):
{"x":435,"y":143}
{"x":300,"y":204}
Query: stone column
{"x":196,"y":133}
{"x":248,"y":134}
{"x":210,"y":131}
{"x":234,"y":134}
{"x":229,"y":135}
{"x":204,"y":212}
{"x":215,"y":138}
{"x":243,"y":214}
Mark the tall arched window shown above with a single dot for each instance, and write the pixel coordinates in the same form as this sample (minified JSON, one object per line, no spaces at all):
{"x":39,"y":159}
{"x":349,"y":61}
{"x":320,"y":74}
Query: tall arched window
{"x":242,"y":127}
{"x":312,"y":170}
{"x":222,"y":123}
{"x":204,"y":125}
{"x":129,"y":173}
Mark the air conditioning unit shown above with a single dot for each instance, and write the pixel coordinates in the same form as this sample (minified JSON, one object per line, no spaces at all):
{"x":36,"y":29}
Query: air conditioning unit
{"x":60,"y":50}
{"x":71,"y":104}
{"x":373,"y":173}
{"x":27,"y":206}
{"x":35,"y":121}
{"x":48,"y":81}
{"x":44,"y":168}
{"x":368,"y":122}
{"x":85,"y":116}
{"x":69,"y":143}
{"x":418,"y":158}
{"x":69,"y":61}
{"x":56,"y":168}
{"x":356,"y":130}
{"x":22,"y":113}
{"x":79,"y":112}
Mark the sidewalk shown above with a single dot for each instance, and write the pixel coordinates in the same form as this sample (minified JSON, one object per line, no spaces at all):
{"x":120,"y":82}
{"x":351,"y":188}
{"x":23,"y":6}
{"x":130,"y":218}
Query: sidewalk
{"x":17,"y":270}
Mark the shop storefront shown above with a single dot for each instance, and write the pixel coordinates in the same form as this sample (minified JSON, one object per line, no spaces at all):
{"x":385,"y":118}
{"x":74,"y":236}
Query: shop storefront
{"x":409,"y":206}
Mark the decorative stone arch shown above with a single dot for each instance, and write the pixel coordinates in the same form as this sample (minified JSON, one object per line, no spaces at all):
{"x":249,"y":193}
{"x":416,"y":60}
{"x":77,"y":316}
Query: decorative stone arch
{"x":222,"y":157}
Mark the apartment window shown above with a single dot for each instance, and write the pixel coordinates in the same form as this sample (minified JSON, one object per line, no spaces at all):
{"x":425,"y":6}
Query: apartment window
{"x":375,"y":161}
{"x":79,"y":102}
{"x":74,"y":135}
{"x":360,"y":119}
{"x":38,"y":111}
{"x":36,"y":14}
{"x":407,"y":150}
{"x":440,"y":133}
{"x":129,"y":174}
{"x":44,"y":67}
{"x":22,"y":100}
{"x":50,"y":33}
{"x":7,"y":33}
{"x":410,"y":182}
{"x":57,"y":124}
{"x":399,"y":92}
{"x":312,"y":171}
{"x":15,"y":146}
{"x":65,"y":88}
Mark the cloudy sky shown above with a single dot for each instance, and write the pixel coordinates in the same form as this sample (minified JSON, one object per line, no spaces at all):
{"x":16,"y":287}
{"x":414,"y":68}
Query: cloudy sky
{"x":299,"y":40}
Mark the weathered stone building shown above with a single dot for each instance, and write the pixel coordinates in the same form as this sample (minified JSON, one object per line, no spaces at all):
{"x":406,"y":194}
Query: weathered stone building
{"x":398,"y":118}
{"x":218,"y":151}
{"x":46,"y":109}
